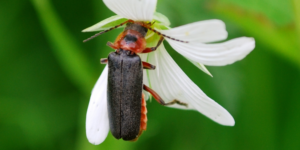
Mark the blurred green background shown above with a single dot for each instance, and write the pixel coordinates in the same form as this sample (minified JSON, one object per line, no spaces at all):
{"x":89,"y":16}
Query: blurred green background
{"x":47,"y":73}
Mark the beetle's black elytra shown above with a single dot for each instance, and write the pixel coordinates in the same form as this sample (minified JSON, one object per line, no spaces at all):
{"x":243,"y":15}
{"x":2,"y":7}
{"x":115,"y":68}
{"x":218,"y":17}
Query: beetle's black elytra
{"x":124,"y":94}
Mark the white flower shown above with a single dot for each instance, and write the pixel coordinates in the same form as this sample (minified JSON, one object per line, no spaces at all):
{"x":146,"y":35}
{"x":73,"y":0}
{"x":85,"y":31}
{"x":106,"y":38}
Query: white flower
{"x":168,"y":80}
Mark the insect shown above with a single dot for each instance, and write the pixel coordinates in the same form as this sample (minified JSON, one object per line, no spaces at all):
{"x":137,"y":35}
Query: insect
{"x":125,"y":101}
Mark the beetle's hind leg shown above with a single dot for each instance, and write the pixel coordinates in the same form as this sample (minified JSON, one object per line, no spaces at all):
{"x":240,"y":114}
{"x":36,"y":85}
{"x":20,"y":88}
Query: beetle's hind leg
{"x":148,"y":66}
{"x":160,"y":100}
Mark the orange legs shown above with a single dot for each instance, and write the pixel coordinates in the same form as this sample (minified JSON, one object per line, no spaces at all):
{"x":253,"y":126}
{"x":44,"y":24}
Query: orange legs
{"x":103,"y":60}
{"x":148,"y":66}
{"x":151,"y":49}
{"x":110,"y":44}
{"x":160,"y":100}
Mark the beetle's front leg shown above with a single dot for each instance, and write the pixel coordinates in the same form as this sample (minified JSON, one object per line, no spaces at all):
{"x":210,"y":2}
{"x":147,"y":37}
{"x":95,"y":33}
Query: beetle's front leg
{"x":151,"y":49}
{"x":103,"y":60}
{"x":160,"y":100}
{"x":112,"y":45}
{"x":148,"y":66}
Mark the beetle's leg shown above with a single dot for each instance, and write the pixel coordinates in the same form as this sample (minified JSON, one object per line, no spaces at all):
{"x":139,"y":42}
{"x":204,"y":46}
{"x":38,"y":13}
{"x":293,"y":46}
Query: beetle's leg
{"x":160,"y":100}
{"x":151,"y":49}
{"x":103,"y":60}
{"x":112,"y":45}
{"x":148,"y":66}
{"x":128,"y":21}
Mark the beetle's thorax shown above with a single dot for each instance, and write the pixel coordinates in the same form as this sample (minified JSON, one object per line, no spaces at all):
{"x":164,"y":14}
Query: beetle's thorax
{"x":132,"y":38}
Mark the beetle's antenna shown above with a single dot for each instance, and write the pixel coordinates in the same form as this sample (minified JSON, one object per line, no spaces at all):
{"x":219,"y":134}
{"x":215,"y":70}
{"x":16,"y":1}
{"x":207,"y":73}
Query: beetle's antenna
{"x":155,"y":31}
{"x":107,"y":30}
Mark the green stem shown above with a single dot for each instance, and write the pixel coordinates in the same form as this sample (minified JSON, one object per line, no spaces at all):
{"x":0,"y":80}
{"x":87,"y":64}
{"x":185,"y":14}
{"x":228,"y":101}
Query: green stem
{"x":66,"y":48}
{"x":70,"y":56}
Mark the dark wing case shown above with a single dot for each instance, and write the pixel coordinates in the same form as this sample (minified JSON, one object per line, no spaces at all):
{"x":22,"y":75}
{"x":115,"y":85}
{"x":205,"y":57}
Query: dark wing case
{"x":124,"y":94}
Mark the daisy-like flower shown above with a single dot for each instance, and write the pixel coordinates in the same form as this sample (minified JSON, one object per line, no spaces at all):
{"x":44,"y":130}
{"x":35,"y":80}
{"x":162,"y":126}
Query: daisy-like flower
{"x":168,"y":80}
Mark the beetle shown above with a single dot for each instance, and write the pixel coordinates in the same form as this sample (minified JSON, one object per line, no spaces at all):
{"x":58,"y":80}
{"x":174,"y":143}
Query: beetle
{"x":125,"y":101}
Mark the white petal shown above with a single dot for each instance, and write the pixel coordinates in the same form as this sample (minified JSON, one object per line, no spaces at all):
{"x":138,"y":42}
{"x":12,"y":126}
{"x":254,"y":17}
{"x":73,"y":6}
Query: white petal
{"x":106,"y":24}
{"x":219,"y":54}
{"x":201,"y":31}
{"x":138,"y":10}
{"x":97,"y":125}
{"x":201,"y":66}
{"x":173,"y":83}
